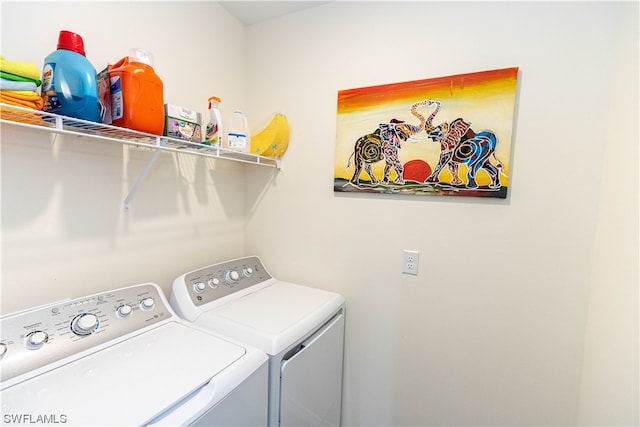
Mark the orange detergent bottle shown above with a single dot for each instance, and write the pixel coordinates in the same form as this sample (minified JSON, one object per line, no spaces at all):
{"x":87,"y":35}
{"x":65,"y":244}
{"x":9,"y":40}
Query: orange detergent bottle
{"x":137,"y":100}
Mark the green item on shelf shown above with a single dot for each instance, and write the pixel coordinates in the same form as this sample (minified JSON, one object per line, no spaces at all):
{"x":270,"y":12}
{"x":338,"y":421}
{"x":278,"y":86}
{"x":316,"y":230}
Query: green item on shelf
{"x":16,"y":78}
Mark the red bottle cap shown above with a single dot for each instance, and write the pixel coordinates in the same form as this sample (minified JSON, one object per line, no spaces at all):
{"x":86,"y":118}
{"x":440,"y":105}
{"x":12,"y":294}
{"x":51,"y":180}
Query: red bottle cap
{"x":71,"y":41}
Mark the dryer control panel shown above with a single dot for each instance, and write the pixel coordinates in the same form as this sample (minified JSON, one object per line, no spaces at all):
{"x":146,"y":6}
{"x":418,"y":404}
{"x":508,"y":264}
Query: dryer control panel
{"x":34,"y":339}
{"x":216,"y":281}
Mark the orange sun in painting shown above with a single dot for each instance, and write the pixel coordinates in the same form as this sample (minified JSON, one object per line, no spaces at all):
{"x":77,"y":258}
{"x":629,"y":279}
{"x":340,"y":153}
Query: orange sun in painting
{"x":416,"y":170}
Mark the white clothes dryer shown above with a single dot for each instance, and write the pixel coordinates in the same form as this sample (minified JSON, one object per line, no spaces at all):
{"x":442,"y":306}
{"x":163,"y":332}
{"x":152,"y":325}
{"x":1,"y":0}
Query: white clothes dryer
{"x":124,"y":358}
{"x":300,"y":328}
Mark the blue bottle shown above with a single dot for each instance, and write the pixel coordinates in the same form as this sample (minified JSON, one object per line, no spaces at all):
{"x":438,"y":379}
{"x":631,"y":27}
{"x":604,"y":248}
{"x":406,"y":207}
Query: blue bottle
{"x":69,"y":83}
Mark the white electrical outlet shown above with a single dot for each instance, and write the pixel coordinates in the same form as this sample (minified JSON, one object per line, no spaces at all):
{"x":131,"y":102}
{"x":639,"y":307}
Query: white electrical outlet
{"x":410,"y":262}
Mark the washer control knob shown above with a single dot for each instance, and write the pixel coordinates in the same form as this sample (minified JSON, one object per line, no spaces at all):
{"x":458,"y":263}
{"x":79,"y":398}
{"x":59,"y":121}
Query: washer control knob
{"x":231,"y":276}
{"x":247,"y":272}
{"x":36,"y":339}
{"x":3,"y":349}
{"x":213,"y":283}
{"x":147,"y":303}
{"x":84,"y":324}
{"x":199,"y":287}
{"x":124,"y":311}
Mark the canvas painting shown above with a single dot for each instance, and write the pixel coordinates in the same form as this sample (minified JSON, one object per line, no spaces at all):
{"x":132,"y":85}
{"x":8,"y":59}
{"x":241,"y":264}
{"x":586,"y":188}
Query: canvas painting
{"x":447,"y":136}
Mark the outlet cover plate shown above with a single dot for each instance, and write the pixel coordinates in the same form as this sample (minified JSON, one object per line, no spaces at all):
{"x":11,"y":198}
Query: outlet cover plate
{"x":410,"y":262}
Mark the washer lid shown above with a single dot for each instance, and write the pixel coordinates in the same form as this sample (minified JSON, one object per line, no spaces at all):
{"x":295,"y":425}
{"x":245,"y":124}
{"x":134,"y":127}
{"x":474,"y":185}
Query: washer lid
{"x":274,"y":317}
{"x":129,"y":383}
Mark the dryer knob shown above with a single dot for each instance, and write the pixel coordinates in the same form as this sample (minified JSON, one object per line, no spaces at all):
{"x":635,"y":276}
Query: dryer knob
{"x":247,"y":272}
{"x":199,"y":287}
{"x":231,"y":276}
{"x":84,"y":324}
{"x":147,"y":303}
{"x":124,"y":311}
{"x":36,"y":339}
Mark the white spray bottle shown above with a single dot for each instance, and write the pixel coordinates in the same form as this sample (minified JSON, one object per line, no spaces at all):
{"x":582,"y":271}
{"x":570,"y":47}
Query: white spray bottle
{"x":214,"y":127}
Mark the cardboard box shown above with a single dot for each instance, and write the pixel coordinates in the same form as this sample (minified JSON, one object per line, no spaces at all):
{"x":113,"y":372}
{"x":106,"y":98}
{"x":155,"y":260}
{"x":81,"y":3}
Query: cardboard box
{"x":182,"y":123}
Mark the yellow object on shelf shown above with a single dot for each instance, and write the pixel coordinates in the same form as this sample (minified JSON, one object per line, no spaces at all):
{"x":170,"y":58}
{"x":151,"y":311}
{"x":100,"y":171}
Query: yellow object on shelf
{"x":273,"y":140}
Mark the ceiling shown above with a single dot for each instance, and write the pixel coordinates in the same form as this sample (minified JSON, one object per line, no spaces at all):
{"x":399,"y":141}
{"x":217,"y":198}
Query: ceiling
{"x":251,"y":12}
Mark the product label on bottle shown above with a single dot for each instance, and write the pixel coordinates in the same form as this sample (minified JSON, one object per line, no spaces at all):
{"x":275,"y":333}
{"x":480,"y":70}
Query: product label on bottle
{"x":212,"y":137}
{"x":117,"y":104}
{"x":237,"y":141}
{"x":49,"y":95}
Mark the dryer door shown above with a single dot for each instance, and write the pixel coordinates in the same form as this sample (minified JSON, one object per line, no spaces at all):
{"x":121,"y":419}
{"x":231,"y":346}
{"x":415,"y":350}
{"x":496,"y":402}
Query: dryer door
{"x":311,"y":378}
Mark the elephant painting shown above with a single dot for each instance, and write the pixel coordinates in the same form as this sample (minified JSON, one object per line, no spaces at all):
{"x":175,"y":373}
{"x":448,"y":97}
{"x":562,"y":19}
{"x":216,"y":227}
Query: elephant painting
{"x":451,"y":136}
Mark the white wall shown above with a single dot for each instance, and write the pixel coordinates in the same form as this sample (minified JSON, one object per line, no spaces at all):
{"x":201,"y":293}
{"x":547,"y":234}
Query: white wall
{"x":492,"y":331}
{"x":64,"y":232}
{"x":610,"y":376}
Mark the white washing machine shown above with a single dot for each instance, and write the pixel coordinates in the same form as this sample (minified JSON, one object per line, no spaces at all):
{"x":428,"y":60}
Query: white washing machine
{"x":124,"y":358}
{"x":300,"y":328}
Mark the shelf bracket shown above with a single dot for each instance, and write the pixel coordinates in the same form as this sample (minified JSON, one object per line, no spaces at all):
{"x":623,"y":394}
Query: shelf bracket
{"x":127,"y":200}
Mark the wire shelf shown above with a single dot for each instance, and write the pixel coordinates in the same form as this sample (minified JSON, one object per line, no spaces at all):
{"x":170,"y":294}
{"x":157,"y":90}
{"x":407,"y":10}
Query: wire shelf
{"x":40,"y":120}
